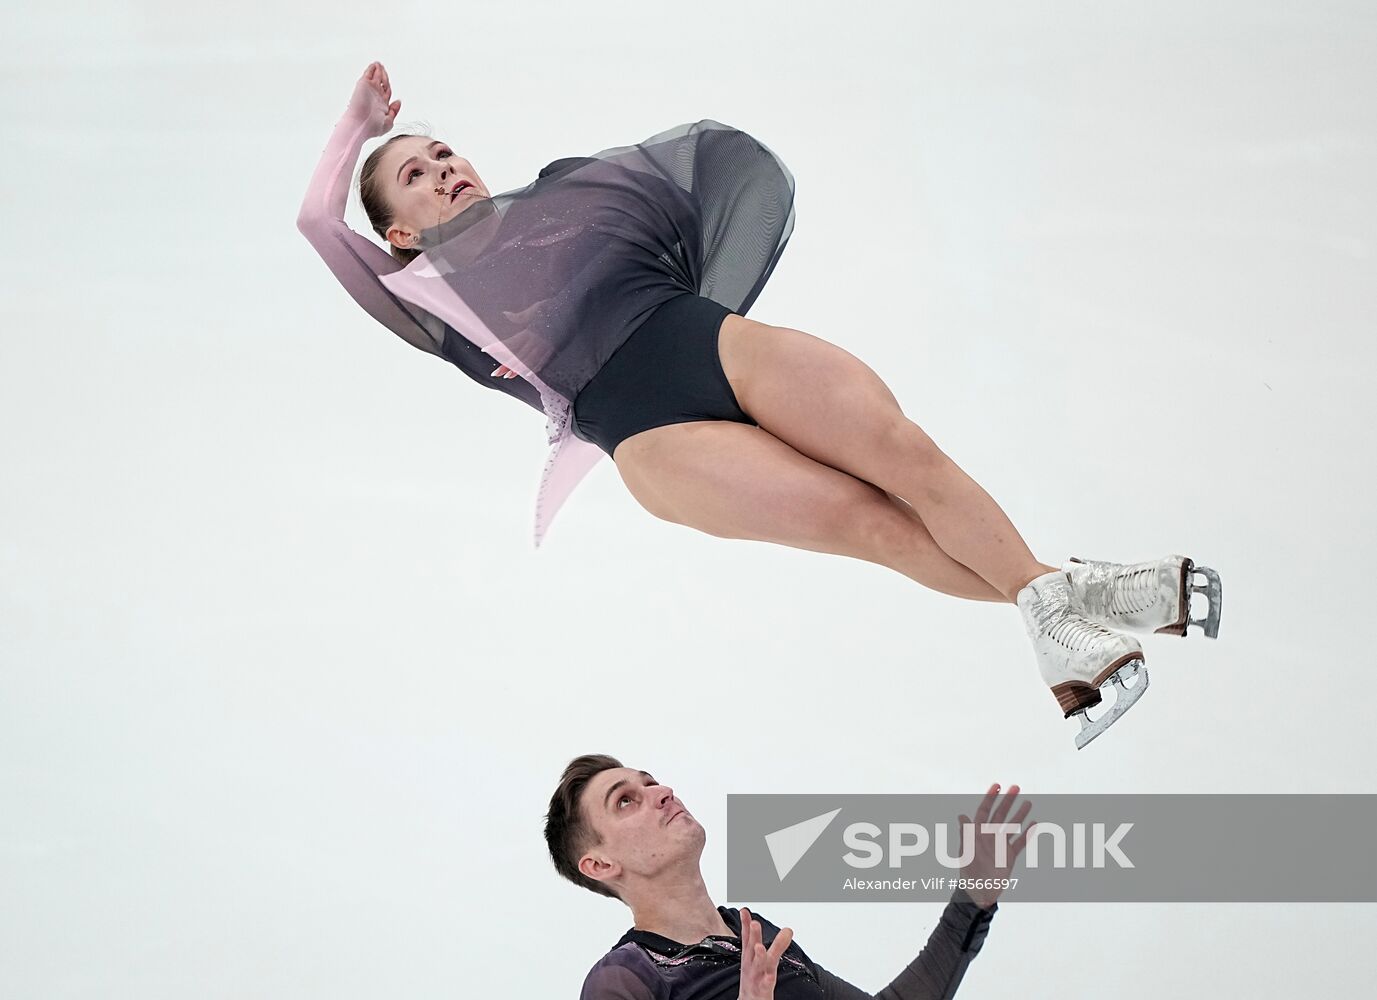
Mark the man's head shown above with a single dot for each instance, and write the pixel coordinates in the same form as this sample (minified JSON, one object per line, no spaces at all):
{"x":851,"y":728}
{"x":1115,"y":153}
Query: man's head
{"x":611,"y":828}
{"x":413,"y":182}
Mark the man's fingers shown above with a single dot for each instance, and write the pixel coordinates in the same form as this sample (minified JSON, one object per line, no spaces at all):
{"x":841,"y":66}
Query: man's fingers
{"x":1022,"y":813}
{"x":1017,"y":844}
{"x":1005,"y":804}
{"x":781,"y":943}
{"x":982,"y":813}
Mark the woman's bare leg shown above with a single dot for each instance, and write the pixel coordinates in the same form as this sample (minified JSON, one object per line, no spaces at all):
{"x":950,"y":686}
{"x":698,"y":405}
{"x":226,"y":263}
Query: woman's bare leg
{"x":828,"y":405}
{"x":737,"y":481}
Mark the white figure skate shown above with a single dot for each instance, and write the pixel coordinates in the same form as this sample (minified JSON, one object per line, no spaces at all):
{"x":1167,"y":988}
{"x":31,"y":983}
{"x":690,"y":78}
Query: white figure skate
{"x":1079,"y":657}
{"x":1147,"y":596}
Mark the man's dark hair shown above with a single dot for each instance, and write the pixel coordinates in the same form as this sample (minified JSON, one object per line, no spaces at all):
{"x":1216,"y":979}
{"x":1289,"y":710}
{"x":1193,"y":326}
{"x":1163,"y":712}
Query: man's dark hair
{"x":567,"y":832}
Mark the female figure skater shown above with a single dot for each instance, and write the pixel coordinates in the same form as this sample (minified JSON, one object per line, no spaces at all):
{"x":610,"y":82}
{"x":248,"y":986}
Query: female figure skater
{"x":610,"y":294}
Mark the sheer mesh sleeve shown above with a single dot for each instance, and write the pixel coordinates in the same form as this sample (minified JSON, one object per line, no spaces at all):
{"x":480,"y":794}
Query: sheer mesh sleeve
{"x":937,"y":971}
{"x":624,"y":974}
{"x":359,"y":264}
{"x":834,"y":987}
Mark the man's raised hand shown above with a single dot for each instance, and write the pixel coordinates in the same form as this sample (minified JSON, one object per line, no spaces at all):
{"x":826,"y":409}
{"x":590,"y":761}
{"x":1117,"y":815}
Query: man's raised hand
{"x":759,"y":965}
{"x":996,"y":851}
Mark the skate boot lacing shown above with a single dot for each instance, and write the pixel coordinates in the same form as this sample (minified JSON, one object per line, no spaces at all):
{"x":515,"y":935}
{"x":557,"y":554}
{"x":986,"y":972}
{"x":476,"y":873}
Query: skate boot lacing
{"x":1116,"y":591}
{"x":1058,"y":622}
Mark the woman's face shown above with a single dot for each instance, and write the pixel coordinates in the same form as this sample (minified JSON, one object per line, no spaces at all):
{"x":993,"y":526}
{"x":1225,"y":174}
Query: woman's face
{"x":426,"y":184}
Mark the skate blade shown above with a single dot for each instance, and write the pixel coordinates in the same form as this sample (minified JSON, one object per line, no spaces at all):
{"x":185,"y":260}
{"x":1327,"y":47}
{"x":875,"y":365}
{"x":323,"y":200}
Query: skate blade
{"x":1125,"y":696}
{"x":1214,"y":594}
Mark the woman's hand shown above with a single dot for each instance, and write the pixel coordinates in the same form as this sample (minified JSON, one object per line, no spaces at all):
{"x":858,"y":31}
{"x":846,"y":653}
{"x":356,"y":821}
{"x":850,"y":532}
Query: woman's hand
{"x":370,"y":101}
{"x":502,"y":371}
{"x":759,"y":967}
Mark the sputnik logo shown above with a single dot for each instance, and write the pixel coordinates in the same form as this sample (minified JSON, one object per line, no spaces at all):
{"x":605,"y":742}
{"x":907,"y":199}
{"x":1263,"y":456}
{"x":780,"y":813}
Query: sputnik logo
{"x":789,"y":845}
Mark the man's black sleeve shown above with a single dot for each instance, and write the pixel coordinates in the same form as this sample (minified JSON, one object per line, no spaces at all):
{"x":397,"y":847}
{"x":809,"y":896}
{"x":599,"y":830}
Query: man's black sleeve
{"x":936,"y":972}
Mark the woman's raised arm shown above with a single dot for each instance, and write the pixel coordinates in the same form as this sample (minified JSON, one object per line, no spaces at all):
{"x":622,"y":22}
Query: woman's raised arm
{"x":355,"y":260}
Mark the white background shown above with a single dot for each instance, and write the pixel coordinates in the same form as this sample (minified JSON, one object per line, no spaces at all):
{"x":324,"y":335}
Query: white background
{"x":284,"y":686}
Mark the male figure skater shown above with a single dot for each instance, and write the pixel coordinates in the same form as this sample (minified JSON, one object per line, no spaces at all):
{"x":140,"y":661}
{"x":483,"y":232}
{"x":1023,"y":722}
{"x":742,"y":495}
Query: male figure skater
{"x":620,"y":833}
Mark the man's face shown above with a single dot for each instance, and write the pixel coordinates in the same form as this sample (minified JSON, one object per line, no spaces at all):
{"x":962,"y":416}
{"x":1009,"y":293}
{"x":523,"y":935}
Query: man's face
{"x":642,"y":827}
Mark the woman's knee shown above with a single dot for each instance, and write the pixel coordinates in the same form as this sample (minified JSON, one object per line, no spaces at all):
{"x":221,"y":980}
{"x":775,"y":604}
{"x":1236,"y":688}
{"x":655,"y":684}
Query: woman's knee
{"x":905,"y":438}
{"x":850,"y":516}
